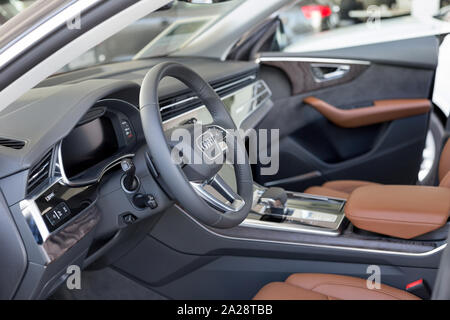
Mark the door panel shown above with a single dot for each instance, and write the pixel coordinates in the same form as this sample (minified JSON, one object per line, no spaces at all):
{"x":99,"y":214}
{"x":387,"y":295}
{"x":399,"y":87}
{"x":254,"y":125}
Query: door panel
{"x":385,"y":149}
{"x":412,"y":53}
{"x":314,"y":78}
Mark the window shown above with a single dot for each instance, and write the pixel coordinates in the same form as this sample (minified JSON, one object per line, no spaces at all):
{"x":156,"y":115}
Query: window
{"x":159,"y":34}
{"x":314,"y":25}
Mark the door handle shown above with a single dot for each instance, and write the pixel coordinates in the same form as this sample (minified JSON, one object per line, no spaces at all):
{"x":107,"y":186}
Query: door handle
{"x":326,"y":72}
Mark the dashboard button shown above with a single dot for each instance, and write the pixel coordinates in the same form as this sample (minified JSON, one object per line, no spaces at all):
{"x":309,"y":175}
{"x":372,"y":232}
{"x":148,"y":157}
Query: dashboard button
{"x":129,"y":219}
{"x":145,"y":201}
{"x":58,"y":214}
{"x":127,"y":131}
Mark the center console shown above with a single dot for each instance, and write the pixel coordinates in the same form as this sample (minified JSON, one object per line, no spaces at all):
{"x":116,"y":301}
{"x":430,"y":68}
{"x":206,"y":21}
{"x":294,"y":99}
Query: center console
{"x":296,"y":212}
{"x":401,"y":212}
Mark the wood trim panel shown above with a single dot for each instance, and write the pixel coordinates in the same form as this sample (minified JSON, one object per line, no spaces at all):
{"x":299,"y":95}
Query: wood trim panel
{"x":301,"y":77}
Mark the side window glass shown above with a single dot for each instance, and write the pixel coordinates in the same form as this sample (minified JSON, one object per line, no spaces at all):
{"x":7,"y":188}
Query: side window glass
{"x":317,"y":25}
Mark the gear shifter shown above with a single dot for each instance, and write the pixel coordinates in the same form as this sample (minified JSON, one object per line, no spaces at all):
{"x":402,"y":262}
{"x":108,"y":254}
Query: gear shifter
{"x":276,"y":196}
{"x":130,"y":183}
{"x":275,"y":199}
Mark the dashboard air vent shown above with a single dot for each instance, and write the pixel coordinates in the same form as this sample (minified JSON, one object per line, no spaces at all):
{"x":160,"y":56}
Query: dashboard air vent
{"x":11,"y":143}
{"x":173,"y":106}
{"x":40,"y":172}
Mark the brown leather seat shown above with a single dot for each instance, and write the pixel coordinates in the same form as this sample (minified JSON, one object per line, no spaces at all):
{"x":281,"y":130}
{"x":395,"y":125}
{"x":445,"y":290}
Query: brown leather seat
{"x":343,"y":188}
{"x":309,"y":286}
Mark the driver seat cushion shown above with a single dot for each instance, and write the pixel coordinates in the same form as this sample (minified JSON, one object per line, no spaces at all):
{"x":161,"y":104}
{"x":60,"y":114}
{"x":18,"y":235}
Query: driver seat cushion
{"x":343,"y":188}
{"x":309,"y":286}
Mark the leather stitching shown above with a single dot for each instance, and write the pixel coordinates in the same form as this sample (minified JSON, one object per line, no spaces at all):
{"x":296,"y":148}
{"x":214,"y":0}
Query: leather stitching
{"x":347,"y":285}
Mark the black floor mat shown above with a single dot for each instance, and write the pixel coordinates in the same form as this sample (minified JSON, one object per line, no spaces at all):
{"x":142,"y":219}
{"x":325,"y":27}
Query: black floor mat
{"x":106,"y":284}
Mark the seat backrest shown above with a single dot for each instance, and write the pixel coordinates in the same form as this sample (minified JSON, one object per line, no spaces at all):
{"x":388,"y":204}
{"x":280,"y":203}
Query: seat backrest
{"x":441,"y":290}
{"x":444,"y":166}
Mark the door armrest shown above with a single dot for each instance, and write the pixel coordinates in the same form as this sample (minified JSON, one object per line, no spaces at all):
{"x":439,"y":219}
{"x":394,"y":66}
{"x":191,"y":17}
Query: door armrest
{"x":381,"y":111}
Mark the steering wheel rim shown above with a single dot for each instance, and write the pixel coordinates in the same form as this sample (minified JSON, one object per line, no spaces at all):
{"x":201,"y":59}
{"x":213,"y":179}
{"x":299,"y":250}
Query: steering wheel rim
{"x":191,"y":196}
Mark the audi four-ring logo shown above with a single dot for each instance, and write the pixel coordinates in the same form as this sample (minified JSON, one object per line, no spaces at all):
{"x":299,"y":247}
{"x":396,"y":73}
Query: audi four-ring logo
{"x":207,"y":143}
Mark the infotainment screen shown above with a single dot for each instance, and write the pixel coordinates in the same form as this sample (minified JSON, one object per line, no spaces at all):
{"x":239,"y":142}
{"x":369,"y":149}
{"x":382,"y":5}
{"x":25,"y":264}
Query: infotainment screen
{"x":87,"y":145}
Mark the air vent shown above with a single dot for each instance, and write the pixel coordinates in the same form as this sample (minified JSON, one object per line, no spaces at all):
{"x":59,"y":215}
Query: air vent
{"x":11,"y":143}
{"x":173,"y":106}
{"x":40,"y":172}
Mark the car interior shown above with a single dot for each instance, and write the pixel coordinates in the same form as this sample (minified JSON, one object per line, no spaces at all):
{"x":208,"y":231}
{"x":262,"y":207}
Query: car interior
{"x":87,"y":178}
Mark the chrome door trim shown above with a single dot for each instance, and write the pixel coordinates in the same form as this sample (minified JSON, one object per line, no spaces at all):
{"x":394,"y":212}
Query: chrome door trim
{"x":340,"y":72}
{"x":260,"y":59}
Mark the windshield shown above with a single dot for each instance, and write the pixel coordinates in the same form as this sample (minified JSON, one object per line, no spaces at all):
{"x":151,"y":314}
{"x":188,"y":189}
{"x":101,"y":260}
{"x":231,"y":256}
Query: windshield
{"x":159,"y":34}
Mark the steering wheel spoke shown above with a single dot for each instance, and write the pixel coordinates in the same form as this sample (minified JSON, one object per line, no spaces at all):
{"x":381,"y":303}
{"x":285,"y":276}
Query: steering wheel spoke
{"x":219,"y":194}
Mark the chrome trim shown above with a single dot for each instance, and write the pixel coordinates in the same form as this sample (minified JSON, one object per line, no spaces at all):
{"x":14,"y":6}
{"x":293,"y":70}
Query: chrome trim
{"x":200,"y":108}
{"x":341,"y":71}
{"x":263,"y":206}
{"x":50,"y":244}
{"x":235,"y":201}
{"x":33,"y":35}
{"x":237,"y":204}
{"x":105,"y":169}
{"x":37,"y":174}
{"x":255,"y":98}
{"x":315,"y":196}
{"x":130,"y":191}
{"x":260,"y":59}
{"x":252,"y":223}
{"x":33,"y":215}
{"x":422,"y":254}
{"x":177,"y":103}
{"x":252,"y":77}
{"x":300,"y":177}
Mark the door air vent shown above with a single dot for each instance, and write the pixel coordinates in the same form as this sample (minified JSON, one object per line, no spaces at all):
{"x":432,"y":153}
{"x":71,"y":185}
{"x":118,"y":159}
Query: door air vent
{"x":11,"y":143}
{"x":40,"y":172}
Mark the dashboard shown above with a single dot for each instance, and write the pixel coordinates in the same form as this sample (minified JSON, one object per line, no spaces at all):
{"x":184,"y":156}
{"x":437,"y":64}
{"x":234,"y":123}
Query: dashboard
{"x":102,"y":137}
{"x":68,"y":204}
{"x":88,"y":144}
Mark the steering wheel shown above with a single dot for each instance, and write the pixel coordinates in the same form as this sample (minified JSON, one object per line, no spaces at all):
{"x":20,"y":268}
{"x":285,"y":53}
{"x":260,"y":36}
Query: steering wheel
{"x":197,"y":187}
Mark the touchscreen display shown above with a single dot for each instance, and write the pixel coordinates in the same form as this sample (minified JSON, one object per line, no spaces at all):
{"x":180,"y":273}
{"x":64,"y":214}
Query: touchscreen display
{"x":88,"y":145}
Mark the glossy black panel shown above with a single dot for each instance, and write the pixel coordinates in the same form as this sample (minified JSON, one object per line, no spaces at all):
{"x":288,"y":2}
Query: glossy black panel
{"x":60,"y":203}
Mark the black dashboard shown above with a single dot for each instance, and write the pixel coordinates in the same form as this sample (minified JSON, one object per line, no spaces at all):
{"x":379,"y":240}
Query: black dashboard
{"x":67,"y":203}
{"x":88,"y":144}
{"x":102,"y":137}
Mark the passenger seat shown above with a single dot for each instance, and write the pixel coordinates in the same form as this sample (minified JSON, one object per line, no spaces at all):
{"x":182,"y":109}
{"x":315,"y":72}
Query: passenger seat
{"x":343,"y":188}
{"x":311,"y":286}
